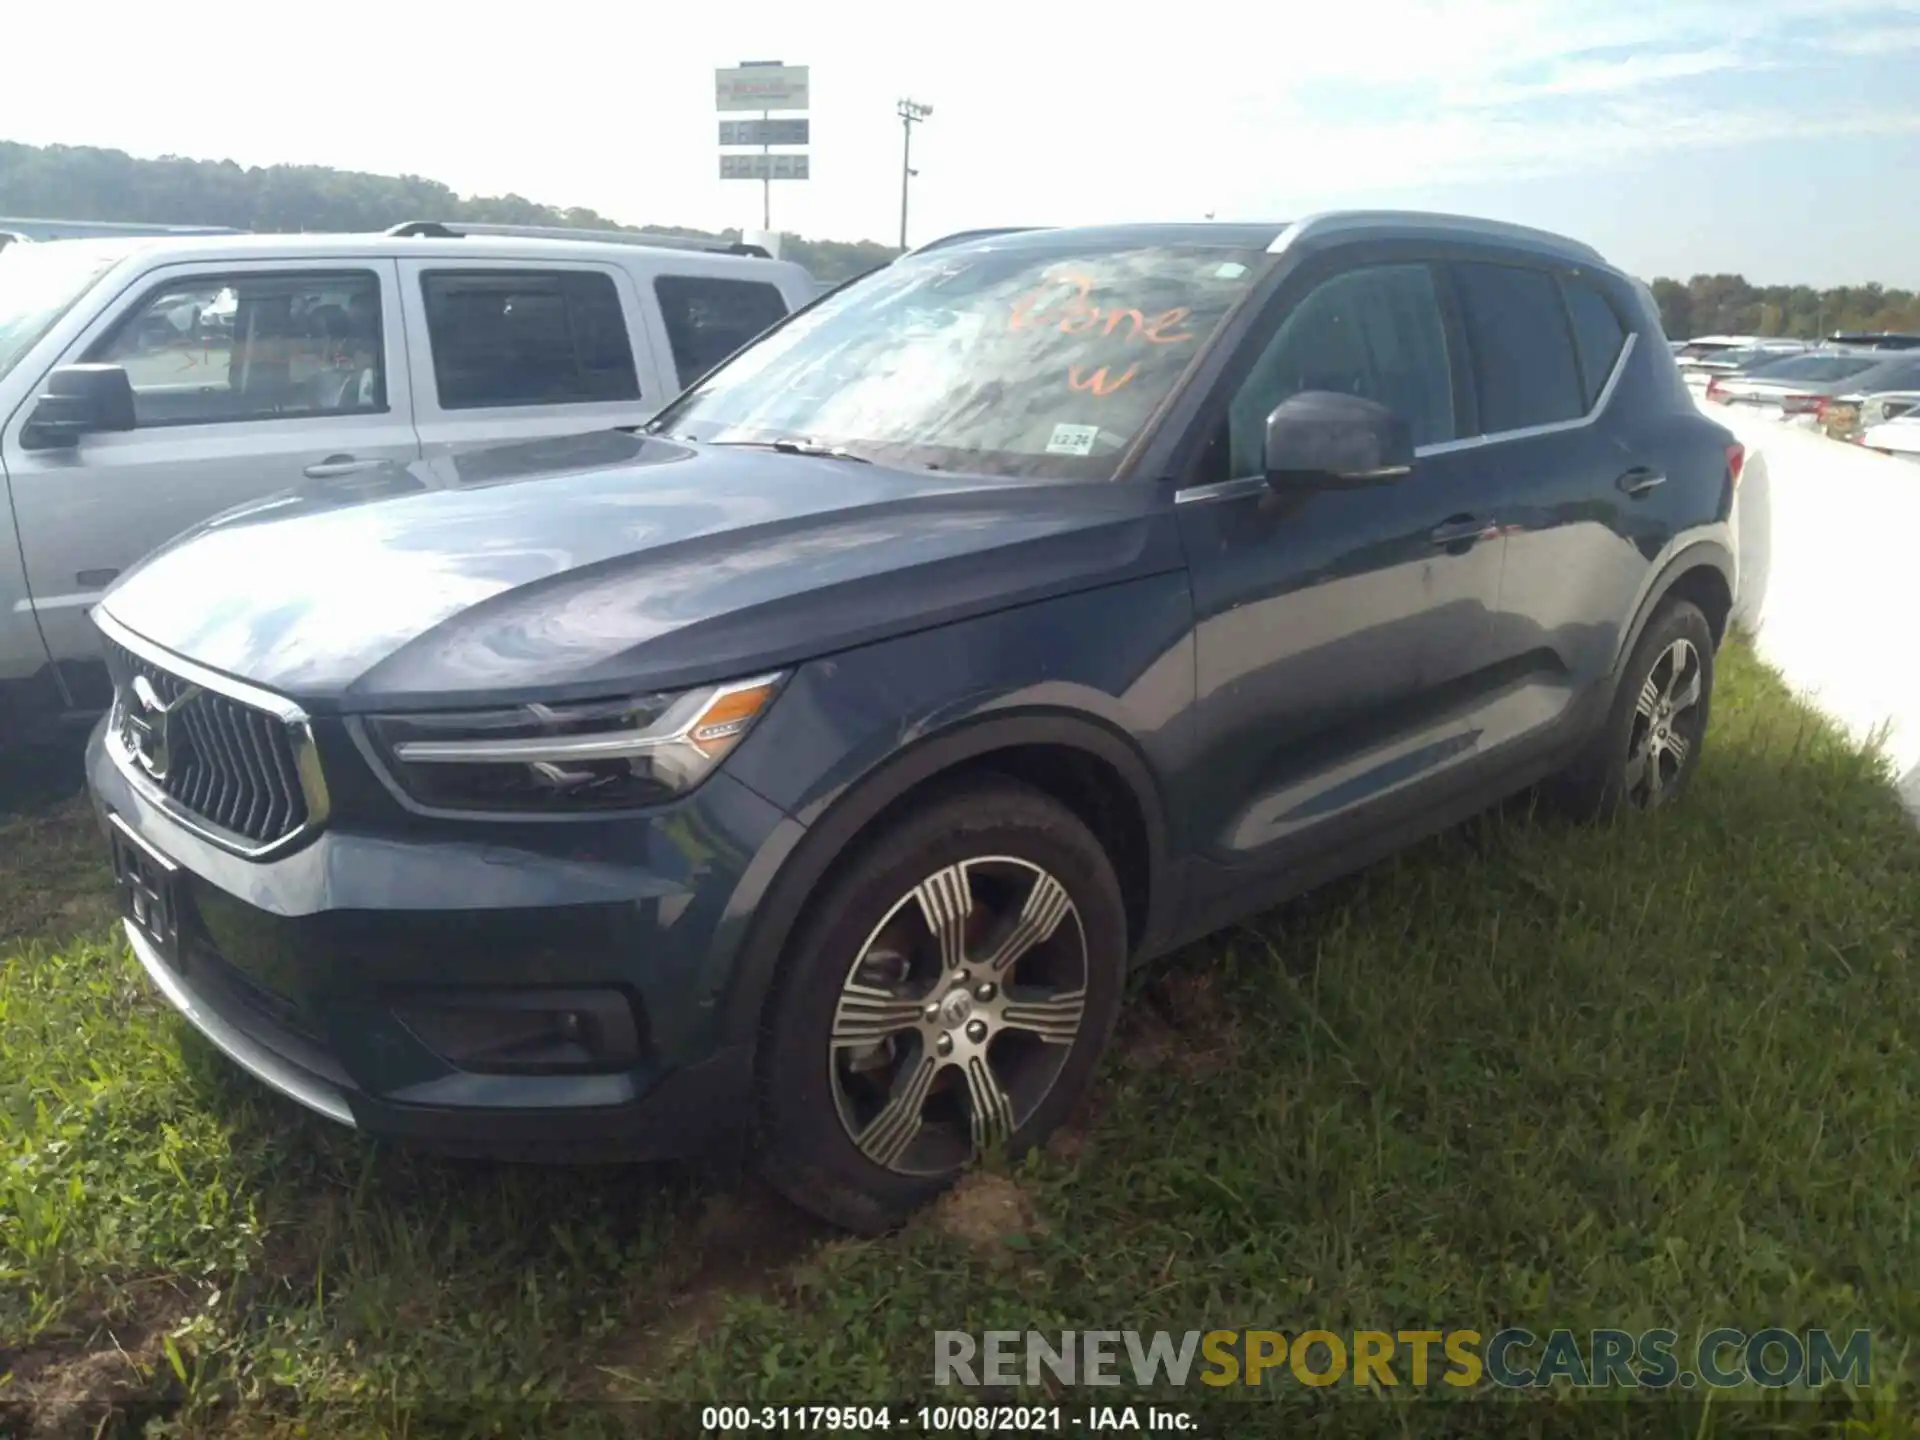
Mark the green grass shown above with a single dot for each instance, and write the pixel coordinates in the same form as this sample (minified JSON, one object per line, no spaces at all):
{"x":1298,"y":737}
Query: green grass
{"x":1658,"y":1073}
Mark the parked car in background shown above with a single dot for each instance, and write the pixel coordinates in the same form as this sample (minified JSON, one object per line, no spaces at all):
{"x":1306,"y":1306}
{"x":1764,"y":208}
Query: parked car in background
{"x":817,"y":762}
{"x":1874,"y":340}
{"x":1849,"y":416}
{"x":1899,"y":437}
{"x":1737,"y":359}
{"x":1741,"y":360}
{"x":1795,"y":385}
{"x":149,"y":382}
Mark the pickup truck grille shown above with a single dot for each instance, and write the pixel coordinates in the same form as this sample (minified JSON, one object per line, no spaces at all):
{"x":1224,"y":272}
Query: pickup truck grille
{"x":225,"y":762}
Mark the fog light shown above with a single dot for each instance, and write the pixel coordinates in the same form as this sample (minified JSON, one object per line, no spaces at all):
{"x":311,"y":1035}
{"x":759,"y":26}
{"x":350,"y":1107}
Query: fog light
{"x":526,"y":1032}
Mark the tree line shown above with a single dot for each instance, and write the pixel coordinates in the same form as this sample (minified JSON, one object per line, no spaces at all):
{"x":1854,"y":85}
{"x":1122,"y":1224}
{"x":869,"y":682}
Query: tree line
{"x":1729,"y":305}
{"x":81,"y":182}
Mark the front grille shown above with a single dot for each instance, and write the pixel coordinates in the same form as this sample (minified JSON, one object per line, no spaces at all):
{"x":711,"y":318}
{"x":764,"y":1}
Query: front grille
{"x":221,"y":760}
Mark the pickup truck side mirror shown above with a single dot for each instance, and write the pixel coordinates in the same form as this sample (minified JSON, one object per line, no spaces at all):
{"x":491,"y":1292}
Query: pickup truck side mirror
{"x":78,"y":400}
{"x":1325,"y":438}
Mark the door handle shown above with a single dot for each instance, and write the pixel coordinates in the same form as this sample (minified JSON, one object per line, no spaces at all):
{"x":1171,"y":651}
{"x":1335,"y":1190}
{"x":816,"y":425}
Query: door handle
{"x":1640,"y":479}
{"x":339,"y":465}
{"x":1463,"y":531}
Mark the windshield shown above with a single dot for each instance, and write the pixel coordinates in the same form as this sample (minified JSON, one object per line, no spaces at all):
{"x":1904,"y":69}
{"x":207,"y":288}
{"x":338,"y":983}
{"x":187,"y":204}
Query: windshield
{"x":1022,"y":360}
{"x":38,"y":284}
{"x":1815,"y":367}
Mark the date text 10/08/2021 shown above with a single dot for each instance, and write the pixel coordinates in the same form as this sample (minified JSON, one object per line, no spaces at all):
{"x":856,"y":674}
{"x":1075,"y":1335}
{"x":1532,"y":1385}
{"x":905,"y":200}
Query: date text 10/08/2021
{"x":948,"y":1419}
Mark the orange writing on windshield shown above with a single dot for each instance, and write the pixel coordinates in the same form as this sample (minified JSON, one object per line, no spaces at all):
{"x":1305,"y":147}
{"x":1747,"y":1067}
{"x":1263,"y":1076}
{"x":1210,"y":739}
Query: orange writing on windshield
{"x":1098,"y":382}
{"x":1080,"y":315}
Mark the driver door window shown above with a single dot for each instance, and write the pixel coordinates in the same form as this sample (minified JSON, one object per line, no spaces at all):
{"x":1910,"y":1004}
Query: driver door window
{"x":1375,"y":332}
{"x":258,"y":346}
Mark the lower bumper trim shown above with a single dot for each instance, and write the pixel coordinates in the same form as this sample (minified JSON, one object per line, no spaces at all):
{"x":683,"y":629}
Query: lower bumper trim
{"x":249,"y":1054}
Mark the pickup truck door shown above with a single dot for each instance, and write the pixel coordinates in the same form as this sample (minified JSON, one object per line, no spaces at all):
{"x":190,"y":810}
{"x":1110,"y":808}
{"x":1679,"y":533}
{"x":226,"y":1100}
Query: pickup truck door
{"x":248,"y":378}
{"x":515,"y":350}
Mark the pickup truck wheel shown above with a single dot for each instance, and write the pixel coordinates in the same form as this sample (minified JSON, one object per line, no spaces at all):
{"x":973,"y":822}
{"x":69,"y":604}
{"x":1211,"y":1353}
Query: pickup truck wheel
{"x":949,"y":999}
{"x":1643,"y":756}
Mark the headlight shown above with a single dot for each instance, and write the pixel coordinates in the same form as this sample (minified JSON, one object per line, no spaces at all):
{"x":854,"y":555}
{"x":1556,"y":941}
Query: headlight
{"x":605,"y":754}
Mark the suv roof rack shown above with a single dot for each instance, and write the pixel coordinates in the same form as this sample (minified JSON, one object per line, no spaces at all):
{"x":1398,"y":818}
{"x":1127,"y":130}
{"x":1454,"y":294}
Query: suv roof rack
{"x":443,"y":230}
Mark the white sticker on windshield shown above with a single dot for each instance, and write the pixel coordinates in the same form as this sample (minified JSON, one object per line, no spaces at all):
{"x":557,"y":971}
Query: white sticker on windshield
{"x":1073,"y":439}
{"x":1232,"y":270}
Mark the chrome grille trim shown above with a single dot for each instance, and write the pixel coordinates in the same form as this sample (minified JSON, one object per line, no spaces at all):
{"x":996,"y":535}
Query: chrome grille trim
{"x":257,"y":789}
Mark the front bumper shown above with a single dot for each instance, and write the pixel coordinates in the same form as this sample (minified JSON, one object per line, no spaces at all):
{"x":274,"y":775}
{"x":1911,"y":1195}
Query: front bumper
{"x":310,"y":970}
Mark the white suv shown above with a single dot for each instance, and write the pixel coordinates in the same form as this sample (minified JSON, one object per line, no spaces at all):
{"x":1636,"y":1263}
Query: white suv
{"x":150,"y":382}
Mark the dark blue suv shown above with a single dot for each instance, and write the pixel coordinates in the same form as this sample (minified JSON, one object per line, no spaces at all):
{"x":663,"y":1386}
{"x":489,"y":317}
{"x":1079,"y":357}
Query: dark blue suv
{"x":817,"y":760}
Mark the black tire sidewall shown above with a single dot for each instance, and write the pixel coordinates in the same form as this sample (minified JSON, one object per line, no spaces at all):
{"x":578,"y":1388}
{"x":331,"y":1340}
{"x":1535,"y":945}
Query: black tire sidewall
{"x":1677,"y":620}
{"x":805,"y":1148}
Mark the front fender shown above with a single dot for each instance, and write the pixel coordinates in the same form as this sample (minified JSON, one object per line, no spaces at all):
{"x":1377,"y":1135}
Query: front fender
{"x":1108,"y":674}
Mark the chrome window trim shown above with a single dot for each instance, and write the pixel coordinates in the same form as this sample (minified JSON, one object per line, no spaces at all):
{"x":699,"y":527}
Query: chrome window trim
{"x":1250,"y":484}
{"x":306,"y":755}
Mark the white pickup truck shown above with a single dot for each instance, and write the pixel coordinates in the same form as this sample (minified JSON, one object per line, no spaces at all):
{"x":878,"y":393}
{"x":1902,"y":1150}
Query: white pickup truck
{"x":147,"y":383}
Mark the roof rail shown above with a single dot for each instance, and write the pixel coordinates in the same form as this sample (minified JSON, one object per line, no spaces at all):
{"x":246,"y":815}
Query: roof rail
{"x":443,"y":230}
{"x":1333,"y":221}
{"x":960,"y":237}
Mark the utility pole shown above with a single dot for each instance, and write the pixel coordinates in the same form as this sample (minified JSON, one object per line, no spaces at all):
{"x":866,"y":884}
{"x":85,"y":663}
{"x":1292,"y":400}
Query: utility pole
{"x":910,"y":112}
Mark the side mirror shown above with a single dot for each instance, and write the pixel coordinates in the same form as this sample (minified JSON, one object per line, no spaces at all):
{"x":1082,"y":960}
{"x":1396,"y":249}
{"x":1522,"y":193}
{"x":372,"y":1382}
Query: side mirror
{"x":78,"y":400}
{"x":1321,"y":437}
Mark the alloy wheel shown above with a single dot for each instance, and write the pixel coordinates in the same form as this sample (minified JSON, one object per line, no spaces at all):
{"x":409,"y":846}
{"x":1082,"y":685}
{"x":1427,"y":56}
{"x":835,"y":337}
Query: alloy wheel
{"x":1666,"y":725}
{"x":958,"y":1014}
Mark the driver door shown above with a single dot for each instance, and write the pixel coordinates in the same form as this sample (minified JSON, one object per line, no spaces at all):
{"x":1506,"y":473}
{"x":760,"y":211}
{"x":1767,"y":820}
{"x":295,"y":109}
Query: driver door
{"x":248,"y":378}
{"x":1343,"y":633}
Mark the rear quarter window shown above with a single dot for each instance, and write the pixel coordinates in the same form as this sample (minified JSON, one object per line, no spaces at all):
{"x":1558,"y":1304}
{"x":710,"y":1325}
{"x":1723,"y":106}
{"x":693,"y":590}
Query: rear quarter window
{"x":1598,"y":335}
{"x":708,"y":319}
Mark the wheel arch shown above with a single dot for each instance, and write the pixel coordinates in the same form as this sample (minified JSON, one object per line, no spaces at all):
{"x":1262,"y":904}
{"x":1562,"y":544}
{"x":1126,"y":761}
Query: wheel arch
{"x":1702,"y":572}
{"x":1076,"y":759}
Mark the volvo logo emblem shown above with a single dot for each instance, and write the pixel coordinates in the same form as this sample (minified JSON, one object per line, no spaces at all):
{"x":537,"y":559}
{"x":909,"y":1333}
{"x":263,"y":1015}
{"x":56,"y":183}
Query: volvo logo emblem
{"x":956,"y":1009}
{"x":149,"y":727}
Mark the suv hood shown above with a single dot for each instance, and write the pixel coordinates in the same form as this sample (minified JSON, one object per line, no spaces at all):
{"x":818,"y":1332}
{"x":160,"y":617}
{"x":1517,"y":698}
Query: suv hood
{"x":569,"y":568}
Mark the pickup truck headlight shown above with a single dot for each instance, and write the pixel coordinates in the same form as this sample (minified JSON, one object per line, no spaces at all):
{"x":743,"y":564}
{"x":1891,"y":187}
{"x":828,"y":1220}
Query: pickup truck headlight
{"x":601,"y":755}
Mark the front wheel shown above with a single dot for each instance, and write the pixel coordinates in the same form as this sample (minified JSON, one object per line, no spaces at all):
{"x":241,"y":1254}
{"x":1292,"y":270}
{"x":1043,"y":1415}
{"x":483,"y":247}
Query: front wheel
{"x":948,"y":998}
{"x":1646,"y":752}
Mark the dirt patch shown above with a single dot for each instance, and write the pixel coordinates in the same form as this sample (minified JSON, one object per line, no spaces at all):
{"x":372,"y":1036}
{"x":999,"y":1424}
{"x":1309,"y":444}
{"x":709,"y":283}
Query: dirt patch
{"x":1182,"y":1022}
{"x":119,"y":1364}
{"x":744,"y":1243}
{"x":986,"y":1211}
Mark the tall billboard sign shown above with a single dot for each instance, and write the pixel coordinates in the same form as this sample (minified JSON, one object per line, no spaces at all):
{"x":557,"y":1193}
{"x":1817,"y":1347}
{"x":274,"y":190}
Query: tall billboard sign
{"x":763,"y":87}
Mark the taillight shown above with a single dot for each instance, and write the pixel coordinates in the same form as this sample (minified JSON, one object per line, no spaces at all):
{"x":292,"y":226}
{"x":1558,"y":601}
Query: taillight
{"x":1714,"y":392}
{"x":1820,"y":409}
{"x":1736,"y":461}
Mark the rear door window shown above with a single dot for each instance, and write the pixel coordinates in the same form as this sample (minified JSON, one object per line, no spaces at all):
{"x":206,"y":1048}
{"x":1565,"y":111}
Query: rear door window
{"x":1523,"y":359}
{"x":708,"y":319}
{"x":527,"y":337}
{"x":1598,"y":336}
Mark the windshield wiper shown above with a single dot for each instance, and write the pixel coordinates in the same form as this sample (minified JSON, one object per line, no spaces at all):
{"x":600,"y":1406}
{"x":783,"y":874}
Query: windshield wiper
{"x":798,"y":445}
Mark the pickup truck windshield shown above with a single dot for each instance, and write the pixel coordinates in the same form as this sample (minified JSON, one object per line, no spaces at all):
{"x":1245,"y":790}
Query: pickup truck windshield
{"x":39,"y":284}
{"x":1023,"y":360}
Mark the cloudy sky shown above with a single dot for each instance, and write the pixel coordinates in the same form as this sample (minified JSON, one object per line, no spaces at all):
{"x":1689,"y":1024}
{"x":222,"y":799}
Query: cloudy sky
{"x":1779,"y":138}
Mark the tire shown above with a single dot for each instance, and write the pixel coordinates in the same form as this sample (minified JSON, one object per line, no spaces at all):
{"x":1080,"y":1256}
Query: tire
{"x":1649,"y":747}
{"x":871,"y":1100}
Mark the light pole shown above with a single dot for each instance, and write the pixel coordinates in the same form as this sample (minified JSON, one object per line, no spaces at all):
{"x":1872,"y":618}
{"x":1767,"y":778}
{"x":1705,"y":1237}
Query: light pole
{"x":909,"y":111}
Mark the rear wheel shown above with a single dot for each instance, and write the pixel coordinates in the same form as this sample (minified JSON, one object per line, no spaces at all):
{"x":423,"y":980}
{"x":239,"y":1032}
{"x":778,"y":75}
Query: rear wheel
{"x":1644,"y":755}
{"x":949,"y":998}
